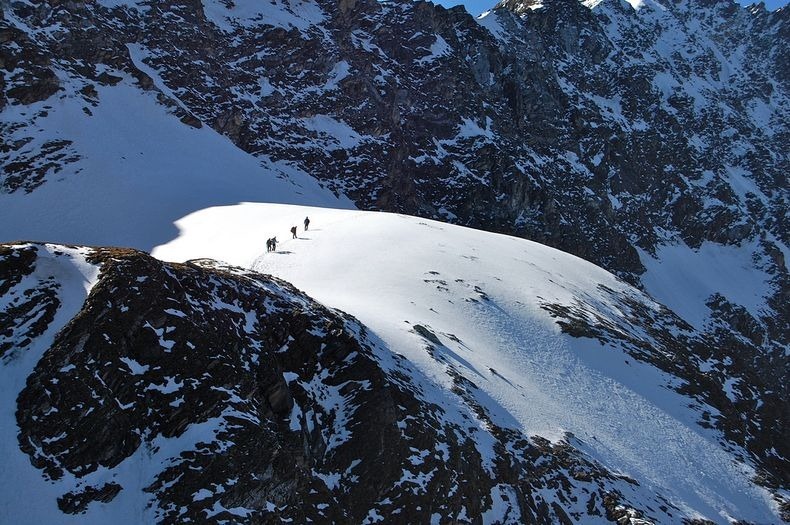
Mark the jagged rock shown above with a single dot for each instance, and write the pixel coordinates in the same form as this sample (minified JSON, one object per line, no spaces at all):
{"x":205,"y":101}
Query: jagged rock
{"x":40,"y":89}
{"x":77,"y":502}
{"x":26,"y":315}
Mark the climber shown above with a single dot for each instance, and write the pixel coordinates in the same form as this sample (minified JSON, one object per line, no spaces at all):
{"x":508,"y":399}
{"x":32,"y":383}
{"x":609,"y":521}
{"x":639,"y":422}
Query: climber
{"x":306,"y":223}
{"x":274,"y":244}
{"x":293,"y":231}
{"x":268,"y":245}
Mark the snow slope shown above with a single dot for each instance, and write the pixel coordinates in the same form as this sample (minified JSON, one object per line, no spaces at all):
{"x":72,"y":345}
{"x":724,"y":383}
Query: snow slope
{"x":481,"y":294}
{"x":684,"y":279}
{"x":76,"y":277}
{"x":136,"y":161}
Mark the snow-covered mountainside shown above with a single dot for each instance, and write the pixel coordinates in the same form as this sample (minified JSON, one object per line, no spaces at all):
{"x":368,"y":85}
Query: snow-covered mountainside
{"x":640,"y":137}
{"x":135,"y":171}
{"x":607,"y":130}
{"x":520,"y":383}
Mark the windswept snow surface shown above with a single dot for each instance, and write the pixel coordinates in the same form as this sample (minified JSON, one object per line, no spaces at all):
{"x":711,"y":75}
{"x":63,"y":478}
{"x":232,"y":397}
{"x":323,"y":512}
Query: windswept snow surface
{"x":140,"y":169}
{"x":480,"y":293}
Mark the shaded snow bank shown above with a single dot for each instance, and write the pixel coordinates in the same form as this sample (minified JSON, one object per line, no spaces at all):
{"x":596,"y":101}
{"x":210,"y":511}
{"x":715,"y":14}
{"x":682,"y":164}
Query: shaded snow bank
{"x":684,"y":279}
{"x":140,"y":170}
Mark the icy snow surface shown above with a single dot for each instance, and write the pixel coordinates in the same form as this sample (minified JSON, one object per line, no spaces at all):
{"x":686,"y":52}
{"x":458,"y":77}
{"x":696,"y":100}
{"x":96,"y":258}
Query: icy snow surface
{"x":684,"y":279}
{"x":480,"y":293}
{"x":490,"y":20}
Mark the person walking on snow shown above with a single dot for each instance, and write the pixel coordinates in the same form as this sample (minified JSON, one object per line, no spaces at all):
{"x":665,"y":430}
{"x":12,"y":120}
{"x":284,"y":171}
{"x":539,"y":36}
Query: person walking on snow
{"x":306,"y":223}
{"x":268,"y":245}
{"x":274,"y":244}
{"x":293,"y":231}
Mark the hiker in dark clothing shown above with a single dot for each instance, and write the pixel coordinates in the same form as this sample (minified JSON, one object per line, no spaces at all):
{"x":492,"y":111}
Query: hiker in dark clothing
{"x":274,"y":244}
{"x":293,"y":231}
{"x":306,"y":223}
{"x":268,"y":245}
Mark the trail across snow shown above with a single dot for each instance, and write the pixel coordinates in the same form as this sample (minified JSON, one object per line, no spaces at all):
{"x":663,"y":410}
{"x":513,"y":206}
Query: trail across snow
{"x":480,"y":293}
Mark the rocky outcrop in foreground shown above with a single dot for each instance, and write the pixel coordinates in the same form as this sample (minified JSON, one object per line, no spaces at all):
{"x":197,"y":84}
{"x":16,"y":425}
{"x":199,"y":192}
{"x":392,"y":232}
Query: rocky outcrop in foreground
{"x":209,"y":393}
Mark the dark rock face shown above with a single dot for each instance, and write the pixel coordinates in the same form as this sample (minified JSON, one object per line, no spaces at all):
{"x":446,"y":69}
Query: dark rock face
{"x":77,"y":502}
{"x":27,"y":314}
{"x":33,"y":80}
{"x":233,"y":396}
{"x":158,"y":348}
